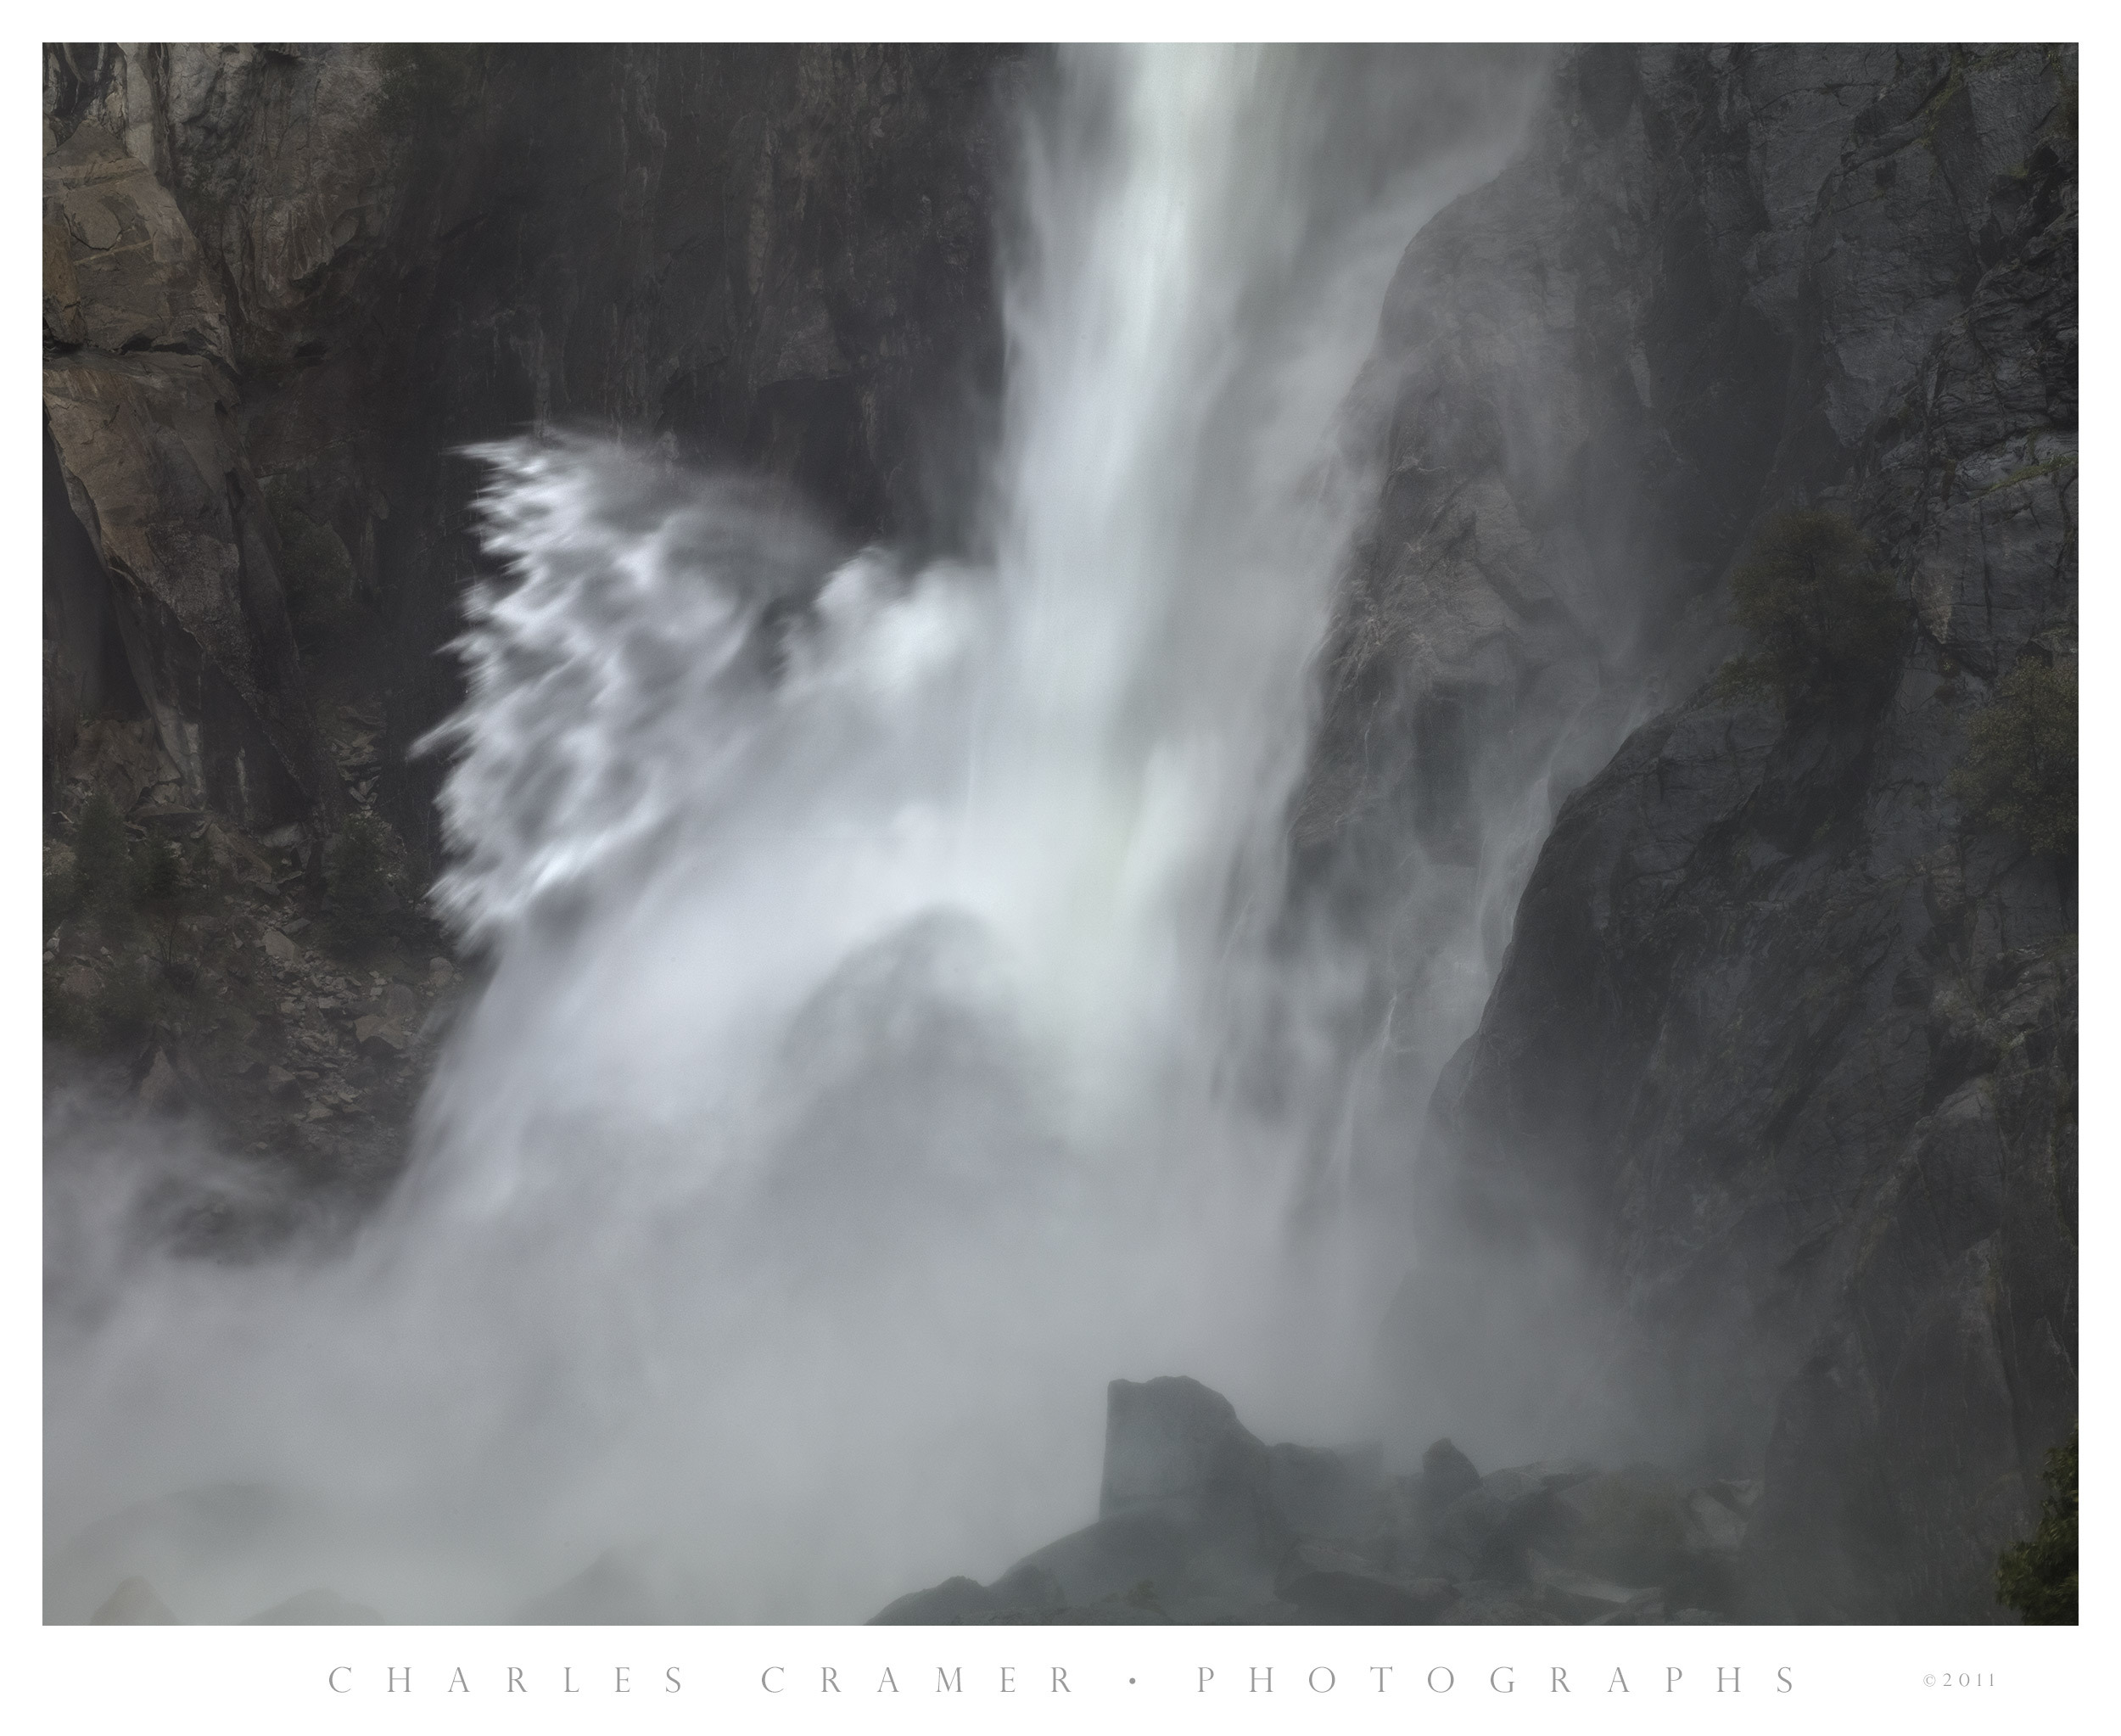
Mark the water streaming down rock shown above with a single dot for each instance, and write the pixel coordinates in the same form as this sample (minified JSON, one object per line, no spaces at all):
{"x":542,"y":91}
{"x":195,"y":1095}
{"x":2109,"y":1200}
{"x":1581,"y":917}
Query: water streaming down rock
{"x":884,"y":969}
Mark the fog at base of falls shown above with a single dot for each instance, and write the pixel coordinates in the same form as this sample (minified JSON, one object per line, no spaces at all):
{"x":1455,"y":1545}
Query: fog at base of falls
{"x":887,"y":1041}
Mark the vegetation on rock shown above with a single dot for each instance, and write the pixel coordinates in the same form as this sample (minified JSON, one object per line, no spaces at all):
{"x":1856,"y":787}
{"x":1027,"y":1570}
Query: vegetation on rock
{"x":323,"y":592}
{"x":1820,"y":619}
{"x":358,"y":874}
{"x":103,"y":868}
{"x":2038,"y":1578}
{"x":158,"y":876}
{"x":2020,"y":773}
{"x":132,"y":896}
{"x":425,"y":82}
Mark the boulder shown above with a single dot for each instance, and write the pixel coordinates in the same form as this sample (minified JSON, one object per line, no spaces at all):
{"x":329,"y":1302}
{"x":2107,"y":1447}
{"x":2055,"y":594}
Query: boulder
{"x":1715,"y":1526}
{"x":1472,"y":1537}
{"x":281,"y":949}
{"x":1195,"y":1511}
{"x":1520,"y":1486}
{"x":379,"y":1036}
{"x":1026,"y":1590}
{"x":954,"y":1600}
{"x":1446,"y":1474}
{"x":1115,"y":1555}
{"x":1176,"y":1449}
{"x":1026,"y":1587}
{"x":1323,"y":1492}
{"x":1527,"y":1499}
{"x":1576,"y":1596}
{"x":1394,"y":1531}
{"x":1631,"y":1526}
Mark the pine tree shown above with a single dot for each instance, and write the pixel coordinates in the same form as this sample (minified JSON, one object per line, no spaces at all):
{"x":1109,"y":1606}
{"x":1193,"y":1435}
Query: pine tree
{"x":2038,"y":1578}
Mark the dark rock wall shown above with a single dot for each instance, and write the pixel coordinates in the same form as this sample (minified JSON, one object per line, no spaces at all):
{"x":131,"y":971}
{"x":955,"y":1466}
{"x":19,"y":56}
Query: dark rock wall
{"x":363,"y":258}
{"x":140,"y":417}
{"x":1766,"y":1139}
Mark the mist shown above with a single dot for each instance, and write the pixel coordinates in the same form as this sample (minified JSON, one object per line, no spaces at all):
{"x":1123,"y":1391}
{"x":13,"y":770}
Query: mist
{"x":890,"y":1027}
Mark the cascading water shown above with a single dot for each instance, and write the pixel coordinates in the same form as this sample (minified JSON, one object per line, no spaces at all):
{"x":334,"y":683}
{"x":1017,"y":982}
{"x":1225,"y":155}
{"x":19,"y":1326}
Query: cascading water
{"x":883,"y":973}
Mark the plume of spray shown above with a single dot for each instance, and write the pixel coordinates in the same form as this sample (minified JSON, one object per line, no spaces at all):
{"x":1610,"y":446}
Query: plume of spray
{"x":877,"y":960}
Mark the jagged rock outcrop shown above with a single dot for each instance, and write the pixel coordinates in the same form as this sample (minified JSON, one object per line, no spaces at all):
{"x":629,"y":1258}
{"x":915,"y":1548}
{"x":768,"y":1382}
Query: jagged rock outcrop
{"x":1767,"y":1140}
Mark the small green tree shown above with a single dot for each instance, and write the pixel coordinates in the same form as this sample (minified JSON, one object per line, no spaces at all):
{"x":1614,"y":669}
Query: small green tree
{"x":315,"y":571}
{"x":2020,"y":773}
{"x":158,"y":876}
{"x":67,"y":1019}
{"x":1819,"y":618}
{"x":2038,"y":1578}
{"x":358,"y":874}
{"x":103,"y":869}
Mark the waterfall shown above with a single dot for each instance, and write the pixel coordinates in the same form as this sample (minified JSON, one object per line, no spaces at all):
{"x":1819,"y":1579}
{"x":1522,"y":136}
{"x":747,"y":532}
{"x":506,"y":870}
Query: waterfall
{"x":886,"y":1038}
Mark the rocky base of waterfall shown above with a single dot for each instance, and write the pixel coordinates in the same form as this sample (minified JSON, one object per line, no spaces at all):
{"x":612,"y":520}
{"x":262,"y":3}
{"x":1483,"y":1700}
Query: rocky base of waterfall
{"x":231,"y":1001}
{"x":1201,"y":1522}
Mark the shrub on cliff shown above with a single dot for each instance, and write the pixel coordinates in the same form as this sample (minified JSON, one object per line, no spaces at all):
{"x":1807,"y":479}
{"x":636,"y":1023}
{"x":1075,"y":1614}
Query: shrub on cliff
{"x":62,"y":893}
{"x":427,"y":87}
{"x":125,"y":1004}
{"x":323,"y":592}
{"x":67,"y":1017}
{"x":2020,"y":773}
{"x":158,"y":876}
{"x":2038,"y":1578}
{"x":358,"y":876}
{"x":102,"y":862}
{"x":1820,"y":620}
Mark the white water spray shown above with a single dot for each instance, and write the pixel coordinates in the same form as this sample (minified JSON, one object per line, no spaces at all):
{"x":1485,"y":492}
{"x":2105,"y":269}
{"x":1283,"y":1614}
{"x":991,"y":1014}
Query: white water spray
{"x":878,"y":961}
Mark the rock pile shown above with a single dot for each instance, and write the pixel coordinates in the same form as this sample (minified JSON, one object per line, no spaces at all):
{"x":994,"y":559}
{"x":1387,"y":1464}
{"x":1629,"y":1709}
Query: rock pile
{"x":1201,"y":1522}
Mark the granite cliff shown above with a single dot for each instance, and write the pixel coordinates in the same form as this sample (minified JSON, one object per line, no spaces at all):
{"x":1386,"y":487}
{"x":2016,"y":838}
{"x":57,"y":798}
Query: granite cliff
{"x":1763,"y":1154}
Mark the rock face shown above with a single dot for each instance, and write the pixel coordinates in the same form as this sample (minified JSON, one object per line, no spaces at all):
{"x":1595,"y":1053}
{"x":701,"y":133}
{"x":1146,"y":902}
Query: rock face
{"x":1186,"y":1504}
{"x":312,"y":272}
{"x":1172,"y":1447}
{"x":171,"y":548}
{"x":1766,"y":1139}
